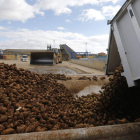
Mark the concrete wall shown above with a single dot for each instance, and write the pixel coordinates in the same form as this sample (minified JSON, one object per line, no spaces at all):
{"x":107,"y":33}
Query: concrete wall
{"x":90,"y":63}
{"x":94,"y":59}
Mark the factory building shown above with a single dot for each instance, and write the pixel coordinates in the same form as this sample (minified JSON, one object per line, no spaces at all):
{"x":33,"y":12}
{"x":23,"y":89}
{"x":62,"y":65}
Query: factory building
{"x":15,"y":54}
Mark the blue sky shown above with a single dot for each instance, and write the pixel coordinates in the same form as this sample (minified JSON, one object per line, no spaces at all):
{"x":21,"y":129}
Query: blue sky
{"x":32,"y":24}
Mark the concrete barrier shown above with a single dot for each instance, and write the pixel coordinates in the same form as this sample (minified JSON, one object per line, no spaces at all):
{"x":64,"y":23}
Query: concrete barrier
{"x":100,"y":65}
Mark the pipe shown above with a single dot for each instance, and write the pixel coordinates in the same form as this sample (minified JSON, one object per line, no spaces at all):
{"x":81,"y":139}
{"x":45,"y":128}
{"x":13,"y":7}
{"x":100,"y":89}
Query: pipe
{"x":130,"y":131}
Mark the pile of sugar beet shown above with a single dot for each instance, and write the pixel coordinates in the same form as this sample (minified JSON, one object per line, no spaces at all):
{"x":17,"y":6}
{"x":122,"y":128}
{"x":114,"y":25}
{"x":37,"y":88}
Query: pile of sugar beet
{"x":31,"y":102}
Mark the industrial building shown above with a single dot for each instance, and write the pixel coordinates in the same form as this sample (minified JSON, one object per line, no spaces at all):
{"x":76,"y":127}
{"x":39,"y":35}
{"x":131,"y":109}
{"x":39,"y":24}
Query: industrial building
{"x":17,"y":53}
{"x":67,"y":53}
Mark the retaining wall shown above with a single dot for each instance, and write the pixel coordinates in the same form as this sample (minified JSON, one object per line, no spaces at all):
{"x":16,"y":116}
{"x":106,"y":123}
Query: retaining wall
{"x":100,"y":65}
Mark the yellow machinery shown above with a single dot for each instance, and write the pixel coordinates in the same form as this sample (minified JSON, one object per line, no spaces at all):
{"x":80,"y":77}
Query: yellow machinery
{"x":59,"y":56}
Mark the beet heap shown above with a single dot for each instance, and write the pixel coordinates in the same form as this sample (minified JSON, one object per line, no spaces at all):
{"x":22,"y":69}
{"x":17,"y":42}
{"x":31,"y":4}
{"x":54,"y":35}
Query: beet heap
{"x":31,"y":102}
{"x":57,"y":76}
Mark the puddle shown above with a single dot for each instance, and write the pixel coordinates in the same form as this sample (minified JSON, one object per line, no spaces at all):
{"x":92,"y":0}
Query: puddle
{"x":53,"y":70}
{"x":89,"y":89}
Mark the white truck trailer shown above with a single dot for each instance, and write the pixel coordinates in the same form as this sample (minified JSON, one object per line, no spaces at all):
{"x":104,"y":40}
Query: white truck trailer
{"x":124,"y":42}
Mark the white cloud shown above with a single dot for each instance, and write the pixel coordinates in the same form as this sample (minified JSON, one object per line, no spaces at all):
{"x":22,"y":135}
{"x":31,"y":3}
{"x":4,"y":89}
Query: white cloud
{"x":20,"y":10}
{"x":110,"y":10}
{"x":2,"y":28}
{"x":63,"y":6}
{"x":115,"y":1}
{"x":106,"y":1}
{"x":17,"y":10}
{"x":68,"y":21}
{"x":91,"y":14}
{"x":62,"y":10}
{"x":61,"y":28}
{"x":38,"y":39}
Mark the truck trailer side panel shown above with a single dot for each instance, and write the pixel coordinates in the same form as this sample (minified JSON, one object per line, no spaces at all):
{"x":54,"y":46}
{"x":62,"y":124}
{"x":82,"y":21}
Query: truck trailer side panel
{"x":131,"y":44}
{"x":125,"y":27}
